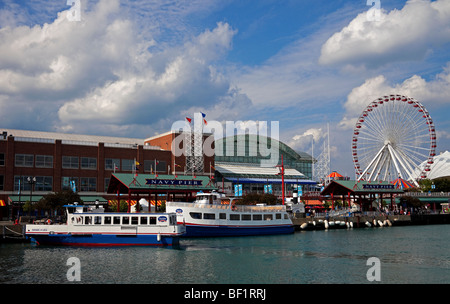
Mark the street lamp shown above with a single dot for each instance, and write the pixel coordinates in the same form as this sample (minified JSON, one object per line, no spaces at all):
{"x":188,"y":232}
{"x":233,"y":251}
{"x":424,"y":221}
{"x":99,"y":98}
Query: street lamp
{"x":31,"y":181}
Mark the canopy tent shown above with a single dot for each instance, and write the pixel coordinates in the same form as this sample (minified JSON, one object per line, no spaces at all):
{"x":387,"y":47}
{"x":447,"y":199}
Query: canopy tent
{"x":361,"y":191}
{"x":400,"y":183}
{"x":148,"y":185}
{"x":334,"y":174}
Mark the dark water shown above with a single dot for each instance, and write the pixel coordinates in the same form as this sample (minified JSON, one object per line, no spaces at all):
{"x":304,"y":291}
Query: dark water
{"x":413,"y":254}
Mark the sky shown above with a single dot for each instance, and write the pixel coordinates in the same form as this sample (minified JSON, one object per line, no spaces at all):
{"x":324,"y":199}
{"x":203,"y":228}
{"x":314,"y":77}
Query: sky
{"x":132,"y":68}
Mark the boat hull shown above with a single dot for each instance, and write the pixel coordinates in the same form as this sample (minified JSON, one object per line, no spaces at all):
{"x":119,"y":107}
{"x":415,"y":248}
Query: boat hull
{"x":105,"y":240}
{"x":218,"y":231}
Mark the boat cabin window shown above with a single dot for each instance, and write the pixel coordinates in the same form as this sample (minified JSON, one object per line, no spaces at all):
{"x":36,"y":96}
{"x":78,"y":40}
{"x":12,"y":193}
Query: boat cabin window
{"x":116,"y":220}
{"x":88,"y":220}
{"x":153,"y":220}
{"x":126,"y":220}
{"x":209,"y":216}
{"x":97,"y":220}
{"x":268,"y":217}
{"x":278,"y":216}
{"x":257,"y":217}
{"x":196,"y":215}
{"x":246,"y":217}
{"x":144,"y":220}
{"x":285,"y":216}
{"x":107,"y":220}
{"x":134,"y":220}
{"x":222,"y":216}
{"x":235,"y":217}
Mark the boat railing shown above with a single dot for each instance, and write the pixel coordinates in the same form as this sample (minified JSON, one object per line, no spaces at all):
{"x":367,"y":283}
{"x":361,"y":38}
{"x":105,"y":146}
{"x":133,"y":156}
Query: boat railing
{"x":237,"y":208}
{"x":246,"y":208}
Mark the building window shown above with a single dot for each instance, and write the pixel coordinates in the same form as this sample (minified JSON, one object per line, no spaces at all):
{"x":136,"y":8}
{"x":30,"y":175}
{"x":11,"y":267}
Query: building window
{"x":88,"y":184}
{"x":2,"y":182}
{"x":43,"y":183}
{"x":127,"y":164}
{"x":70,"y":162}
{"x":2,"y":159}
{"x":20,"y":182}
{"x":112,"y":164}
{"x":107,"y":183}
{"x":149,"y":166}
{"x":70,"y":183}
{"x":24,"y":160}
{"x":44,"y":161}
{"x":88,"y":163}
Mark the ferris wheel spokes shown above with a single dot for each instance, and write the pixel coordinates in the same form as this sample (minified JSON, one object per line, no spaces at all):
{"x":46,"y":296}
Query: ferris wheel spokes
{"x":392,"y":137}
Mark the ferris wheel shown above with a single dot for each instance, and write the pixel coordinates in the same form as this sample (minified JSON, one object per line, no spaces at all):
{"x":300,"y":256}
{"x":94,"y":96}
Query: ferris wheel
{"x":393,"y":136}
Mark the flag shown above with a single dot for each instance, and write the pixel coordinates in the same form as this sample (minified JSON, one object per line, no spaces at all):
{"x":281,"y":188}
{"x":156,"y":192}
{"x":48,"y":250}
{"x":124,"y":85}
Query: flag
{"x":203,"y":114}
{"x":204,"y":120}
{"x":189,"y":119}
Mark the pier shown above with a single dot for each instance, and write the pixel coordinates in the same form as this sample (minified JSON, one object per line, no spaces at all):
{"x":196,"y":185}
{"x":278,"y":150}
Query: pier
{"x":11,"y":232}
{"x":359,"y":221}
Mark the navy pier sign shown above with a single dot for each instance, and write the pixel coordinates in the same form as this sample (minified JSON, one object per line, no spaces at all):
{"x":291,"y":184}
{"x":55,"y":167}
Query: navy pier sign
{"x":173,"y":182}
{"x":375,"y":186}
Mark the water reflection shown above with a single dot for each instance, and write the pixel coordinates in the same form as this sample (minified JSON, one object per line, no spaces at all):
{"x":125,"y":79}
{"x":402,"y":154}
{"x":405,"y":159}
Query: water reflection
{"x":417,"y":254}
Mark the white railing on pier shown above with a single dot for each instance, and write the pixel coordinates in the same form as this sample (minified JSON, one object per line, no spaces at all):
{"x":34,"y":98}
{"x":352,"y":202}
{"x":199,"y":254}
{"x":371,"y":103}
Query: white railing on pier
{"x":239,"y":208}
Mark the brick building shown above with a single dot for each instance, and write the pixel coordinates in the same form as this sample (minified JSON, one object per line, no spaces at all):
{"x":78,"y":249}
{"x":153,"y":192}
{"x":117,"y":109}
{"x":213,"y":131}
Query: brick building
{"x":58,"y":161}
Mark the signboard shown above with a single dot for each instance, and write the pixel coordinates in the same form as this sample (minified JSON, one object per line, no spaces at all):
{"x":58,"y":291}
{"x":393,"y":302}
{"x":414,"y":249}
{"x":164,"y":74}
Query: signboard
{"x":162,"y":219}
{"x":268,"y":189}
{"x":375,"y":186}
{"x":173,"y":182}
{"x":299,"y":190}
{"x":238,"y":190}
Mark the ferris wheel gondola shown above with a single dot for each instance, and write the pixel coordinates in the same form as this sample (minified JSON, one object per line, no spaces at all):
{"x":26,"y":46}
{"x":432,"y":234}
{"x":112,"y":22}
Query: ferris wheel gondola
{"x":392,"y":137}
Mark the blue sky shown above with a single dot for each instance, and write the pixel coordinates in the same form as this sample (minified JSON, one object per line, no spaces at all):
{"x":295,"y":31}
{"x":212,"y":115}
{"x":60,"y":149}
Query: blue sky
{"x":132,"y":68}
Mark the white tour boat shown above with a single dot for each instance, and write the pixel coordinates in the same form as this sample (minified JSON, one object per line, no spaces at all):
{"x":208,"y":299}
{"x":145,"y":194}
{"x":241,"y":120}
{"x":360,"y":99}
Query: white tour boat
{"x":213,"y":214}
{"x":92,"y":226}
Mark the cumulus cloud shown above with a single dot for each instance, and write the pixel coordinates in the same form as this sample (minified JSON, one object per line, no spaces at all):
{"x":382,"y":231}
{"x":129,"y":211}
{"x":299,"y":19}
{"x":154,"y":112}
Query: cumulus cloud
{"x":399,"y":35}
{"x":301,"y":142}
{"x":432,"y":92}
{"x":100,"y":71}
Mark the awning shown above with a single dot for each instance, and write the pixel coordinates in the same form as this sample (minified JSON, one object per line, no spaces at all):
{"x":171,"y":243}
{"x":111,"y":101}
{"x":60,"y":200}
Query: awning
{"x":36,"y":198}
{"x":249,"y":171}
{"x":2,"y":203}
{"x":257,"y":180}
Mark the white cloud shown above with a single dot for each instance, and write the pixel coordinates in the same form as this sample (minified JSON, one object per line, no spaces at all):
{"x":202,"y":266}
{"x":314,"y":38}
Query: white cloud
{"x":302,"y":142}
{"x":399,"y":35}
{"x":433,"y":92}
{"x":100,"y":71}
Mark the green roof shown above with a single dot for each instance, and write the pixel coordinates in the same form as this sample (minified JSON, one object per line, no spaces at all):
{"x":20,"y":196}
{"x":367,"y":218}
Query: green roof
{"x":155,"y":183}
{"x":342,"y":187}
{"x":36,"y":198}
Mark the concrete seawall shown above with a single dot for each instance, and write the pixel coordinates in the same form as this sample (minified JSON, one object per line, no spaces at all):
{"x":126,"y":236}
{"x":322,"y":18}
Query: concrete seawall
{"x":11,"y":233}
{"x":359,"y":221}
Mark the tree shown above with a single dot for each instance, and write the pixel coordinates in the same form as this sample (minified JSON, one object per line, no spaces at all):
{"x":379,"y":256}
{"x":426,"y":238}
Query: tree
{"x":410,"y":201}
{"x":56,"y":201}
{"x":425,"y":185}
{"x":442,"y":184}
